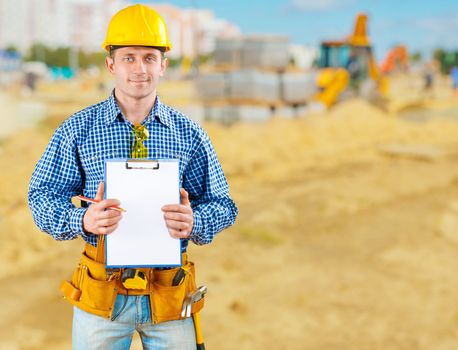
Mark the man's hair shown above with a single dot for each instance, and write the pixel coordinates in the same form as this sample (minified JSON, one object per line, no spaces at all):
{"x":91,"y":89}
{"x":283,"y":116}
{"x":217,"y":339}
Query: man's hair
{"x":113,"y":48}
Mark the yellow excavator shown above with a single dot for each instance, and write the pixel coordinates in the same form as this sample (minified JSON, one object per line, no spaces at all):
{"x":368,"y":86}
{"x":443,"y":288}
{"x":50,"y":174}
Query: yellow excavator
{"x":349,"y":65}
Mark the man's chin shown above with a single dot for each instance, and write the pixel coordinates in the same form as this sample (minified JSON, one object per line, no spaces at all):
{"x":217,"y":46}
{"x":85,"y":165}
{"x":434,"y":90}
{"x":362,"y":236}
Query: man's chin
{"x":141,"y":94}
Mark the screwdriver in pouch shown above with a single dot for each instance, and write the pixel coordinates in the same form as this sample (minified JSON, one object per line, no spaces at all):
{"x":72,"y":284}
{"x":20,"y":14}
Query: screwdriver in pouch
{"x":179,"y":276}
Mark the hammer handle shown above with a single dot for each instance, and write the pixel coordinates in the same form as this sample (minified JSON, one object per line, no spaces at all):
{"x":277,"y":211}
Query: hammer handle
{"x":199,"y":337}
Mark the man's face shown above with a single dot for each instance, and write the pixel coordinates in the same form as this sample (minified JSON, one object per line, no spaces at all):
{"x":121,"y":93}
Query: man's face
{"x":136,"y":70}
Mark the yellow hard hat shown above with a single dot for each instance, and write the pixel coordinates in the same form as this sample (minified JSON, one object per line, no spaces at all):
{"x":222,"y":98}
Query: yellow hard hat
{"x":137,"y":25}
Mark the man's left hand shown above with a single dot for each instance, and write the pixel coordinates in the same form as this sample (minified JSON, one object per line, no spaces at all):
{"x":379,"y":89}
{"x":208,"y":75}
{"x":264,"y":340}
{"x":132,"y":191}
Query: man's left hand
{"x":179,"y":218}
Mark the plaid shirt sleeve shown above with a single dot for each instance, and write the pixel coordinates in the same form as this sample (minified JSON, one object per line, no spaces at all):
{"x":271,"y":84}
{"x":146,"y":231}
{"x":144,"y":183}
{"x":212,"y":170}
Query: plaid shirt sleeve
{"x":55,"y":180}
{"x":213,"y":208}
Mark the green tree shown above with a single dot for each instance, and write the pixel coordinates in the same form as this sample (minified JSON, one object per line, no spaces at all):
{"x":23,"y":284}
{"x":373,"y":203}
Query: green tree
{"x":37,"y":52}
{"x":60,"y":57}
{"x":446,"y":59}
{"x":91,"y":59}
{"x":416,"y":57}
{"x":12,"y":49}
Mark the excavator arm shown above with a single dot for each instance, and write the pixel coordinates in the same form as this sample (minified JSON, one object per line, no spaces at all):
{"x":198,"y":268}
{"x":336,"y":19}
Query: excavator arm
{"x":331,"y":83}
{"x":346,"y":62}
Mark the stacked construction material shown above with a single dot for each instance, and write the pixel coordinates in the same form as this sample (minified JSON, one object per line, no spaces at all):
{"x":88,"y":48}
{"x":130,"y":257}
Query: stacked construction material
{"x":297,"y":88}
{"x":227,"y":52}
{"x":251,"y":86}
{"x":228,"y":114}
{"x":213,"y":87}
{"x":269,"y":52}
{"x":250,"y":80}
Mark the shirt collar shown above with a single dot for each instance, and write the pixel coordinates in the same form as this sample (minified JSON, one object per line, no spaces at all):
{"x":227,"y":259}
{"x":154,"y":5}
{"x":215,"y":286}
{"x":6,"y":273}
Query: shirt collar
{"x":159,"y":112}
{"x":113,"y":109}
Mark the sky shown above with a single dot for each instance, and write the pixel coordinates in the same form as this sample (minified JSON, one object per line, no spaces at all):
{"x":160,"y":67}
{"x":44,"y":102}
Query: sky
{"x":421,"y":25}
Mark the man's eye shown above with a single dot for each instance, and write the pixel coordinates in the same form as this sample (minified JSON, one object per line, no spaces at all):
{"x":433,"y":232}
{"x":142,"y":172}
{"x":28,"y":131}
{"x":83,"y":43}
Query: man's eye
{"x":129,"y":59}
{"x":150,"y":59}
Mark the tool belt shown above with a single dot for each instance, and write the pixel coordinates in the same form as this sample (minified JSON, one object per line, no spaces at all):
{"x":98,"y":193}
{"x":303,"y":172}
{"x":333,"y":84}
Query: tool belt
{"x":93,"y":288}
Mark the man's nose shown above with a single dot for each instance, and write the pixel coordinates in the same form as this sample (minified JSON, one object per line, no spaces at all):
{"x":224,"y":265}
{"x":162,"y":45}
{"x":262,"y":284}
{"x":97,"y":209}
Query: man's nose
{"x":139,"y":66}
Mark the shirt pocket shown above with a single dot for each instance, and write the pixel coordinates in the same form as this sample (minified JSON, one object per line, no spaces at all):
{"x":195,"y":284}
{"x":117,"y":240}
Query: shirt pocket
{"x":93,"y":163}
{"x":183,"y":158}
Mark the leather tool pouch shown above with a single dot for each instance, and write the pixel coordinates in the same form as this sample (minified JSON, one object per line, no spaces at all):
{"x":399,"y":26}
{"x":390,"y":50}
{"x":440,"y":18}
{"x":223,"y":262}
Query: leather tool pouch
{"x":167,"y":300}
{"x":91,"y":291}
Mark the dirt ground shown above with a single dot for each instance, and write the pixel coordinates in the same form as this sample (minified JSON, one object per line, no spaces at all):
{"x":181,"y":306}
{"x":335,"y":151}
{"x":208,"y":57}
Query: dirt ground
{"x":347,"y":236}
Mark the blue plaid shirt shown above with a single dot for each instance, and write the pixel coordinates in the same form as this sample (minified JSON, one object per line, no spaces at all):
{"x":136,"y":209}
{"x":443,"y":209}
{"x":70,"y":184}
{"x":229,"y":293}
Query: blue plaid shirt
{"x":73,"y":164}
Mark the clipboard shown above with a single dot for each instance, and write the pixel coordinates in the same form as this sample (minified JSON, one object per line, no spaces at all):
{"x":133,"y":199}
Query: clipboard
{"x":143,"y":186}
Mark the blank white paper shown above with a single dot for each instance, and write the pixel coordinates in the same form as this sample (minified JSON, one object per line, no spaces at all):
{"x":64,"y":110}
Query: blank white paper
{"x":142,"y":238}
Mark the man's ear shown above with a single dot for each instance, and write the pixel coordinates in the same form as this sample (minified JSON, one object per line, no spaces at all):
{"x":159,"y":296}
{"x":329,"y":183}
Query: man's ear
{"x":109,"y":63}
{"x":164,"y":65}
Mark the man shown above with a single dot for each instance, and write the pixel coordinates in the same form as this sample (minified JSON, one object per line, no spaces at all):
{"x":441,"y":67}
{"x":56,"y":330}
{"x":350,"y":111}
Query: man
{"x":355,"y":70}
{"x":454,"y":76}
{"x":73,"y":164}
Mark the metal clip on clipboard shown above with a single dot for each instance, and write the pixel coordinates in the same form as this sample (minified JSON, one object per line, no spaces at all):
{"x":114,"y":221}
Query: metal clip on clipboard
{"x":142,"y":164}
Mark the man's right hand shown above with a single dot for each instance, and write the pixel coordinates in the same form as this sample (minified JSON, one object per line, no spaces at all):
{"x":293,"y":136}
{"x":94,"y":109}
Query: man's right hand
{"x":100,"y":220}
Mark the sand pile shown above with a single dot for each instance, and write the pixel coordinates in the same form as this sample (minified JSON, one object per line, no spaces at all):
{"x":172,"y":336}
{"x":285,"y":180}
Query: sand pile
{"x":22,"y":243}
{"x":352,"y":129}
{"x":18,"y":113}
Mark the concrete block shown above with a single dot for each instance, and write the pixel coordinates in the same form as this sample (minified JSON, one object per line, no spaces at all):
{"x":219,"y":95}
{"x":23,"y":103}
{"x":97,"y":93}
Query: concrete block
{"x":255,"y":86}
{"x":298,"y":87}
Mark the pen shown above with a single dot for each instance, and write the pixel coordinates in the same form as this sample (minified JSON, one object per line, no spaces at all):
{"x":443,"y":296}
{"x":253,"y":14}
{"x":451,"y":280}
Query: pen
{"x":90,"y":200}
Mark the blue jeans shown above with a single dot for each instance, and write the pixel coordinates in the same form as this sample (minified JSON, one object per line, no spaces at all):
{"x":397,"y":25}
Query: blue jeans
{"x":130,"y":314}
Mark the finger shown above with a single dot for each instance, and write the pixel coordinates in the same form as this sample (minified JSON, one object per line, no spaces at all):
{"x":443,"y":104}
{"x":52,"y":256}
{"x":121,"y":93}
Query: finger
{"x":107,"y":214}
{"x":102,"y":230}
{"x":100,"y":190}
{"x":109,"y":222}
{"x":111,"y":229}
{"x":109,"y":203}
{"x":176,"y":216}
{"x":105,"y":230}
{"x":178,"y":234}
{"x":178,"y":208}
{"x":184,"y":197}
{"x":177,"y":225}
